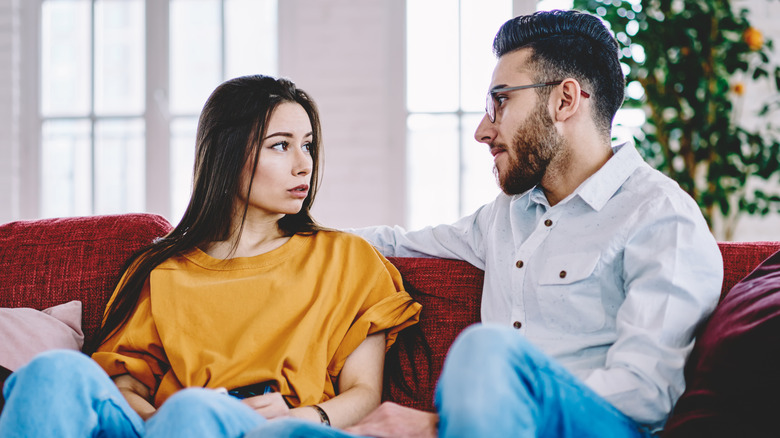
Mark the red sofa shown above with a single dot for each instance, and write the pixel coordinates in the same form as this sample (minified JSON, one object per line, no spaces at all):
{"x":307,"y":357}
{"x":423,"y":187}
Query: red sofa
{"x":53,"y":261}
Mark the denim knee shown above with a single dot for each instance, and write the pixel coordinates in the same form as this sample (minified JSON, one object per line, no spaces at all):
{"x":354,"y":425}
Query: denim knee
{"x":58,"y":365}
{"x":192,"y":399}
{"x":479,"y":343}
{"x":484,"y":342}
{"x":202,"y":412}
{"x":486,"y":359}
{"x":296,"y":428}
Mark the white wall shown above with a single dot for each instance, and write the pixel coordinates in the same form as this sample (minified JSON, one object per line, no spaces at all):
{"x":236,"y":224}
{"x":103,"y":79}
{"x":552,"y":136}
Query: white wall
{"x":349,"y":55}
{"x":9,"y":110}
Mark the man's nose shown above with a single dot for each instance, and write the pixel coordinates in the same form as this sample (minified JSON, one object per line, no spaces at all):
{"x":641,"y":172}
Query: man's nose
{"x":486,"y":131}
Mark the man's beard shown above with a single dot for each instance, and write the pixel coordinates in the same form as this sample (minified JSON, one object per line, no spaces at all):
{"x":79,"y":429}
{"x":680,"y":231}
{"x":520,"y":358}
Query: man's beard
{"x":535,"y":143}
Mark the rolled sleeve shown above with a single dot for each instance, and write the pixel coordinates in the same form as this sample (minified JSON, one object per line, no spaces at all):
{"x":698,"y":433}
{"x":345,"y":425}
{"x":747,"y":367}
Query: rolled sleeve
{"x":387,"y":307}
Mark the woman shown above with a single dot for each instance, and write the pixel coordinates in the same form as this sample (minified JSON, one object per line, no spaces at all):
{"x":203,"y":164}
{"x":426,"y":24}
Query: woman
{"x":247,"y":297}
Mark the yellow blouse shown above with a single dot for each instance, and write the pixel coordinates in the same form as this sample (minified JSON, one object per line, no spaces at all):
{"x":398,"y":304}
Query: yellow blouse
{"x":290,"y":316}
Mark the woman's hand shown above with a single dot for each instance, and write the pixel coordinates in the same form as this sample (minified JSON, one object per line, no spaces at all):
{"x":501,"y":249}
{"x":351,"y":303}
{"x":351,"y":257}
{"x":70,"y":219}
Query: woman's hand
{"x":271,"y":405}
{"x":360,"y":388}
{"x":137,"y":395}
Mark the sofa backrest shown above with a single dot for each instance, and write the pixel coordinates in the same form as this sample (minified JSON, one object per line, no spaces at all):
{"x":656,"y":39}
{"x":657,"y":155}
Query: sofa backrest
{"x":52,"y":261}
{"x":740,"y":258}
{"x":450,"y":292}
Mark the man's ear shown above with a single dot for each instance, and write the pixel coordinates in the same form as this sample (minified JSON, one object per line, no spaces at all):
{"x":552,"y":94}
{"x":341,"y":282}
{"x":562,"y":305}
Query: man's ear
{"x":566,"y":99}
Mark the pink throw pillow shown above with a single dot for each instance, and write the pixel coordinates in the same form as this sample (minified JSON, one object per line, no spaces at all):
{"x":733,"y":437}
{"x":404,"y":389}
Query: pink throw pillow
{"x":26,"y":332}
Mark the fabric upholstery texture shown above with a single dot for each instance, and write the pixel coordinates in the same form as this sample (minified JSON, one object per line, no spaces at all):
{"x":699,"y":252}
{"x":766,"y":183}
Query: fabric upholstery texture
{"x":733,"y":374}
{"x":450,"y":292}
{"x":740,"y":258}
{"x":48,"y":262}
{"x":26,"y":332}
{"x":52,"y":261}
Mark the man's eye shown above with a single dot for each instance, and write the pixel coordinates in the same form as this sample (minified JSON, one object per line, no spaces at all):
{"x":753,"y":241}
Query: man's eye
{"x":500,"y":100}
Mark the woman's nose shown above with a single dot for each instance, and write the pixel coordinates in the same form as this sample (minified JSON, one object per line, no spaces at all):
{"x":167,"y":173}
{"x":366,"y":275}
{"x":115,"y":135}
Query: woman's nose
{"x":303,"y":163}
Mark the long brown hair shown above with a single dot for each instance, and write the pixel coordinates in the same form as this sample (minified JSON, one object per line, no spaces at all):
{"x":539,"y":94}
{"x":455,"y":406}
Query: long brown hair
{"x":231,"y":124}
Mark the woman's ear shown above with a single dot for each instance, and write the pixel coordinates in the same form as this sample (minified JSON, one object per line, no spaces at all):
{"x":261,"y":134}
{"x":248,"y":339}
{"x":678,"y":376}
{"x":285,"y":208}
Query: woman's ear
{"x":566,"y":99}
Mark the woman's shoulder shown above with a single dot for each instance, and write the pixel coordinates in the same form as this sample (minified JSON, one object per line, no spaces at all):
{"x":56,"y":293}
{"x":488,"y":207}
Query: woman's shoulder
{"x":176,"y":261}
{"x":343,"y":238}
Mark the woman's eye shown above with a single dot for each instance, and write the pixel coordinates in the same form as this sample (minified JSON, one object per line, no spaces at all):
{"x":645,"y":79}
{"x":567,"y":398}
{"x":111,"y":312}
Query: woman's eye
{"x":307,"y":147}
{"x":281,"y":146}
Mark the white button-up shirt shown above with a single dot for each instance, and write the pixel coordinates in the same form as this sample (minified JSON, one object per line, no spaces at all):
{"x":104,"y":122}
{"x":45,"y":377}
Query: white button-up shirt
{"x":612,"y":281}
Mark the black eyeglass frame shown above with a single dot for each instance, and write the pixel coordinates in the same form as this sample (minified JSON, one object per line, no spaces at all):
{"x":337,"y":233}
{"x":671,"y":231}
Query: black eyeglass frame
{"x":490,"y":101}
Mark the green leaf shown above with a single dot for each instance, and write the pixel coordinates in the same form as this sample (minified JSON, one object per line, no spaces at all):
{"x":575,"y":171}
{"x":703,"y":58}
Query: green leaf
{"x":695,"y":53}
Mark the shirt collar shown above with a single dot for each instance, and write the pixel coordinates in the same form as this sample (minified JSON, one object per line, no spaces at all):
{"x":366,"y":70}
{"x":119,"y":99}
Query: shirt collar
{"x":599,"y":187}
{"x":602,"y":185}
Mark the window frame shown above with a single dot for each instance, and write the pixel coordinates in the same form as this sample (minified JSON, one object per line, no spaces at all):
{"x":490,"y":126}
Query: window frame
{"x":156,"y":115}
{"x":157,"y":132}
{"x":461,"y":115}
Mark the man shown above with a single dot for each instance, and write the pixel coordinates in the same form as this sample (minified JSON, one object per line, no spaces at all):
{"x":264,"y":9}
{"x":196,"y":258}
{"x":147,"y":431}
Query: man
{"x":598,"y":268}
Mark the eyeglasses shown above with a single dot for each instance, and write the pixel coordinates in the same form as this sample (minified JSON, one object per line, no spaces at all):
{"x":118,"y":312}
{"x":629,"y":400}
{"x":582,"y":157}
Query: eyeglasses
{"x":490,"y":101}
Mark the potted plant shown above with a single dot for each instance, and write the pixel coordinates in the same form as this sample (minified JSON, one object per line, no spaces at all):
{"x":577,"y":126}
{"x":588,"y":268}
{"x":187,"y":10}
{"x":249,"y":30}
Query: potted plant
{"x":693,"y":61}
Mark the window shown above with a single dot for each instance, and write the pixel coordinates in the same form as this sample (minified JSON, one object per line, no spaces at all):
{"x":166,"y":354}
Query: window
{"x":92,"y":107}
{"x":122,"y":83}
{"x":449,"y":65}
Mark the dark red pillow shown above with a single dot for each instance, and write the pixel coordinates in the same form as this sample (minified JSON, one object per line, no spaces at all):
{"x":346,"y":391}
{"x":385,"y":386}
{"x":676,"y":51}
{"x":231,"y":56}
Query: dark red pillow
{"x":733,"y":374}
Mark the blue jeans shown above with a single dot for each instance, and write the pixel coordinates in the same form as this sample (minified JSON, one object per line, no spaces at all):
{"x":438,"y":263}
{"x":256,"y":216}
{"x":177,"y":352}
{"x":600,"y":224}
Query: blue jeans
{"x":296,"y":428}
{"x":495,"y":383}
{"x":66,"y":394}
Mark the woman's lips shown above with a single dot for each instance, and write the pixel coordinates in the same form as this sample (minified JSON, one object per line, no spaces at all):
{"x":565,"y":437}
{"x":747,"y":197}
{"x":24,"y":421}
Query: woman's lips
{"x":300,"y":192}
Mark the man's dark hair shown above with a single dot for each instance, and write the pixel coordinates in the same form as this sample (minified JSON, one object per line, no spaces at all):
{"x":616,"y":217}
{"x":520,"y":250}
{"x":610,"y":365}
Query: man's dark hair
{"x":569,"y":44}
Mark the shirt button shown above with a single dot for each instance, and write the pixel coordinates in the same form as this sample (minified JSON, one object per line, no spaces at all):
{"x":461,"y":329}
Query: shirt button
{"x":548,"y":222}
{"x":517,"y":324}
{"x":519,"y":264}
{"x":562,"y":274}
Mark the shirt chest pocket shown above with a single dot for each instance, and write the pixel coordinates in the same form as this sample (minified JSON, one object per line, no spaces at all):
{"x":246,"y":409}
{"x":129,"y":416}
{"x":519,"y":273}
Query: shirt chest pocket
{"x":569,"y":292}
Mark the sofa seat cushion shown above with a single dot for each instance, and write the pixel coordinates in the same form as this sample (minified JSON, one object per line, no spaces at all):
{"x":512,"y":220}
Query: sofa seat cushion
{"x":733,"y":375}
